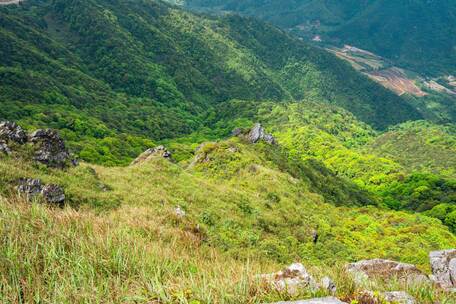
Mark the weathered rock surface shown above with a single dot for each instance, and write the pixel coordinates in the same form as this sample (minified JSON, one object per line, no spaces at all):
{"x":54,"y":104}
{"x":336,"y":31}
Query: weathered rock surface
{"x":179,"y":212}
{"x":51,"y":149}
{"x":10,"y":131}
{"x":159,"y":151}
{"x":329,"y":285}
{"x":443,"y":264}
{"x":53,"y":194}
{"x":327,"y":300}
{"x":4,"y":148}
{"x":31,"y":188}
{"x":385,"y":269}
{"x":399,"y":297}
{"x":258,"y":133}
{"x":291,"y":279}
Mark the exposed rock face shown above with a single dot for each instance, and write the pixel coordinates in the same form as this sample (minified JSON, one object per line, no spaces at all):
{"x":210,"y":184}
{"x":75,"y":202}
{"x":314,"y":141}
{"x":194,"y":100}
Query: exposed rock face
{"x":159,"y":151}
{"x":291,"y":279}
{"x":4,"y":148}
{"x":399,"y":297}
{"x":31,"y":188}
{"x":10,"y":131}
{"x":329,"y":285}
{"x":443,"y":264}
{"x":53,"y":194}
{"x":258,"y":133}
{"x":327,"y":300}
{"x":385,"y":269}
{"x":51,"y":149}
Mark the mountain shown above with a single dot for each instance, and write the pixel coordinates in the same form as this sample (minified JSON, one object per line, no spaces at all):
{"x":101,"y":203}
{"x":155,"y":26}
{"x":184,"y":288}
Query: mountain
{"x":419,"y":35}
{"x":141,"y":70}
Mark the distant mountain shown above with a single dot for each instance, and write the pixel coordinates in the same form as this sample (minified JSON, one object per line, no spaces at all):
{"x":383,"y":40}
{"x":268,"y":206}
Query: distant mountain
{"x":115,"y":74}
{"x":419,"y":34}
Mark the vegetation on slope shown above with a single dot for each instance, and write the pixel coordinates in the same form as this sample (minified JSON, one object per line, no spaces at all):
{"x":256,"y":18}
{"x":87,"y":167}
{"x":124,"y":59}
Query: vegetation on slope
{"x":113,"y":74}
{"x":423,"y":31}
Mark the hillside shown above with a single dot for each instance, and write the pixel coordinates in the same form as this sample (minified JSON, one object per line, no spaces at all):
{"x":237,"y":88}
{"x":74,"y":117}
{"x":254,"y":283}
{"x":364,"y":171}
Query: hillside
{"x":240,"y":209}
{"x":415,"y":34}
{"x":143,"y":70}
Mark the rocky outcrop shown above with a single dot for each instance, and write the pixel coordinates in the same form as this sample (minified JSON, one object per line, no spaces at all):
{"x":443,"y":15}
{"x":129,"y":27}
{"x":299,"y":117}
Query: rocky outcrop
{"x":398,"y":297}
{"x":291,"y":279}
{"x":328,"y":285}
{"x":254,"y":135}
{"x":4,"y":148}
{"x":443,"y":264}
{"x":385,"y":269}
{"x":33,"y":188}
{"x":10,"y":131}
{"x":327,"y":300}
{"x":159,"y":151}
{"x":50,"y":149}
{"x":258,"y":133}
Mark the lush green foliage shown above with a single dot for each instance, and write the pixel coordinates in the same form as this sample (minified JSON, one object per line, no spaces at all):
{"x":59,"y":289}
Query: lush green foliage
{"x":123,"y":72}
{"x":424,"y":31}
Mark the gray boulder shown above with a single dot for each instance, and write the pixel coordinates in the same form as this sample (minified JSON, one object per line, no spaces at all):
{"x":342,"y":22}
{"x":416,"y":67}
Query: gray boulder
{"x":327,"y":300}
{"x":329,"y":285}
{"x":159,"y":151}
{"x":10,"y":131}
{"x":258,"y":133}
{"x":50,"y":149}
{"x":291,"y":279}
{"x":443,"y":264}
{"x":385,"y":269}
{"x":53,"y":194}
{"x":399,"y":297}
{"x":30,"y":187}
{"x":4,"y":148}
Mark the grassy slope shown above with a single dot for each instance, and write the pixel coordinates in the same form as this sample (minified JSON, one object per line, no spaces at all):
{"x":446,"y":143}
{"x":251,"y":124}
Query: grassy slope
{"x":124,"y":242}
{"x":146,"y":71}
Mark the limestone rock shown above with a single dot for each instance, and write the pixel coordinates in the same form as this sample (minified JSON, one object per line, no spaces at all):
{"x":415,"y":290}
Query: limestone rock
{"x":4,"y":148}
{"x":159,"y":151}
{"x":443,"y":264}
{"x":385,"y":269}
{"x":399,"y":297}
{"x":327,"y":300}
{"x":258,"y":133}
{"x":29,"y":187}
{"x":53,"y":194}
{"x":179,"y":212}
{"x":329,"y":285}
{"x":10,"y":131}
{"x":291,"y":279}
{"x":50,"y":149}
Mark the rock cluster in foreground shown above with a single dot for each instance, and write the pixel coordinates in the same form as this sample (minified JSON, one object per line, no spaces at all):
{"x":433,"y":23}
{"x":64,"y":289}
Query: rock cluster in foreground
{"x":295,"y":277}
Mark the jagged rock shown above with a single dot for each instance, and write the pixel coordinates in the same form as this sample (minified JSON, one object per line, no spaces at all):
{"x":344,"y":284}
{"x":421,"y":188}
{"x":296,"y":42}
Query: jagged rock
{"x":236,"y":132}
{"x":315,"y":236}
{"x":159,"y":151}
{"x":443,"y":264}
{"x":4,"y":148}
{"x":51,"y":149}
{"x":327,"y":300}
{"x":329,"y":285}
{"x":10,"y":131}
{"x":258,"y":133}
{"x":291,"y":279}
{"x":399,"y":297}
{"x":30,"y":187}
{"x":53,"y":194}
{"x":385,"y":269}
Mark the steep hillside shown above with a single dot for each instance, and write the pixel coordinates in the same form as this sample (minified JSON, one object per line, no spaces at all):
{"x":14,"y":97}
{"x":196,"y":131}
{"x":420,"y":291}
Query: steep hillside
{"x":114,"y":74}
{"x":415,"y":34}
